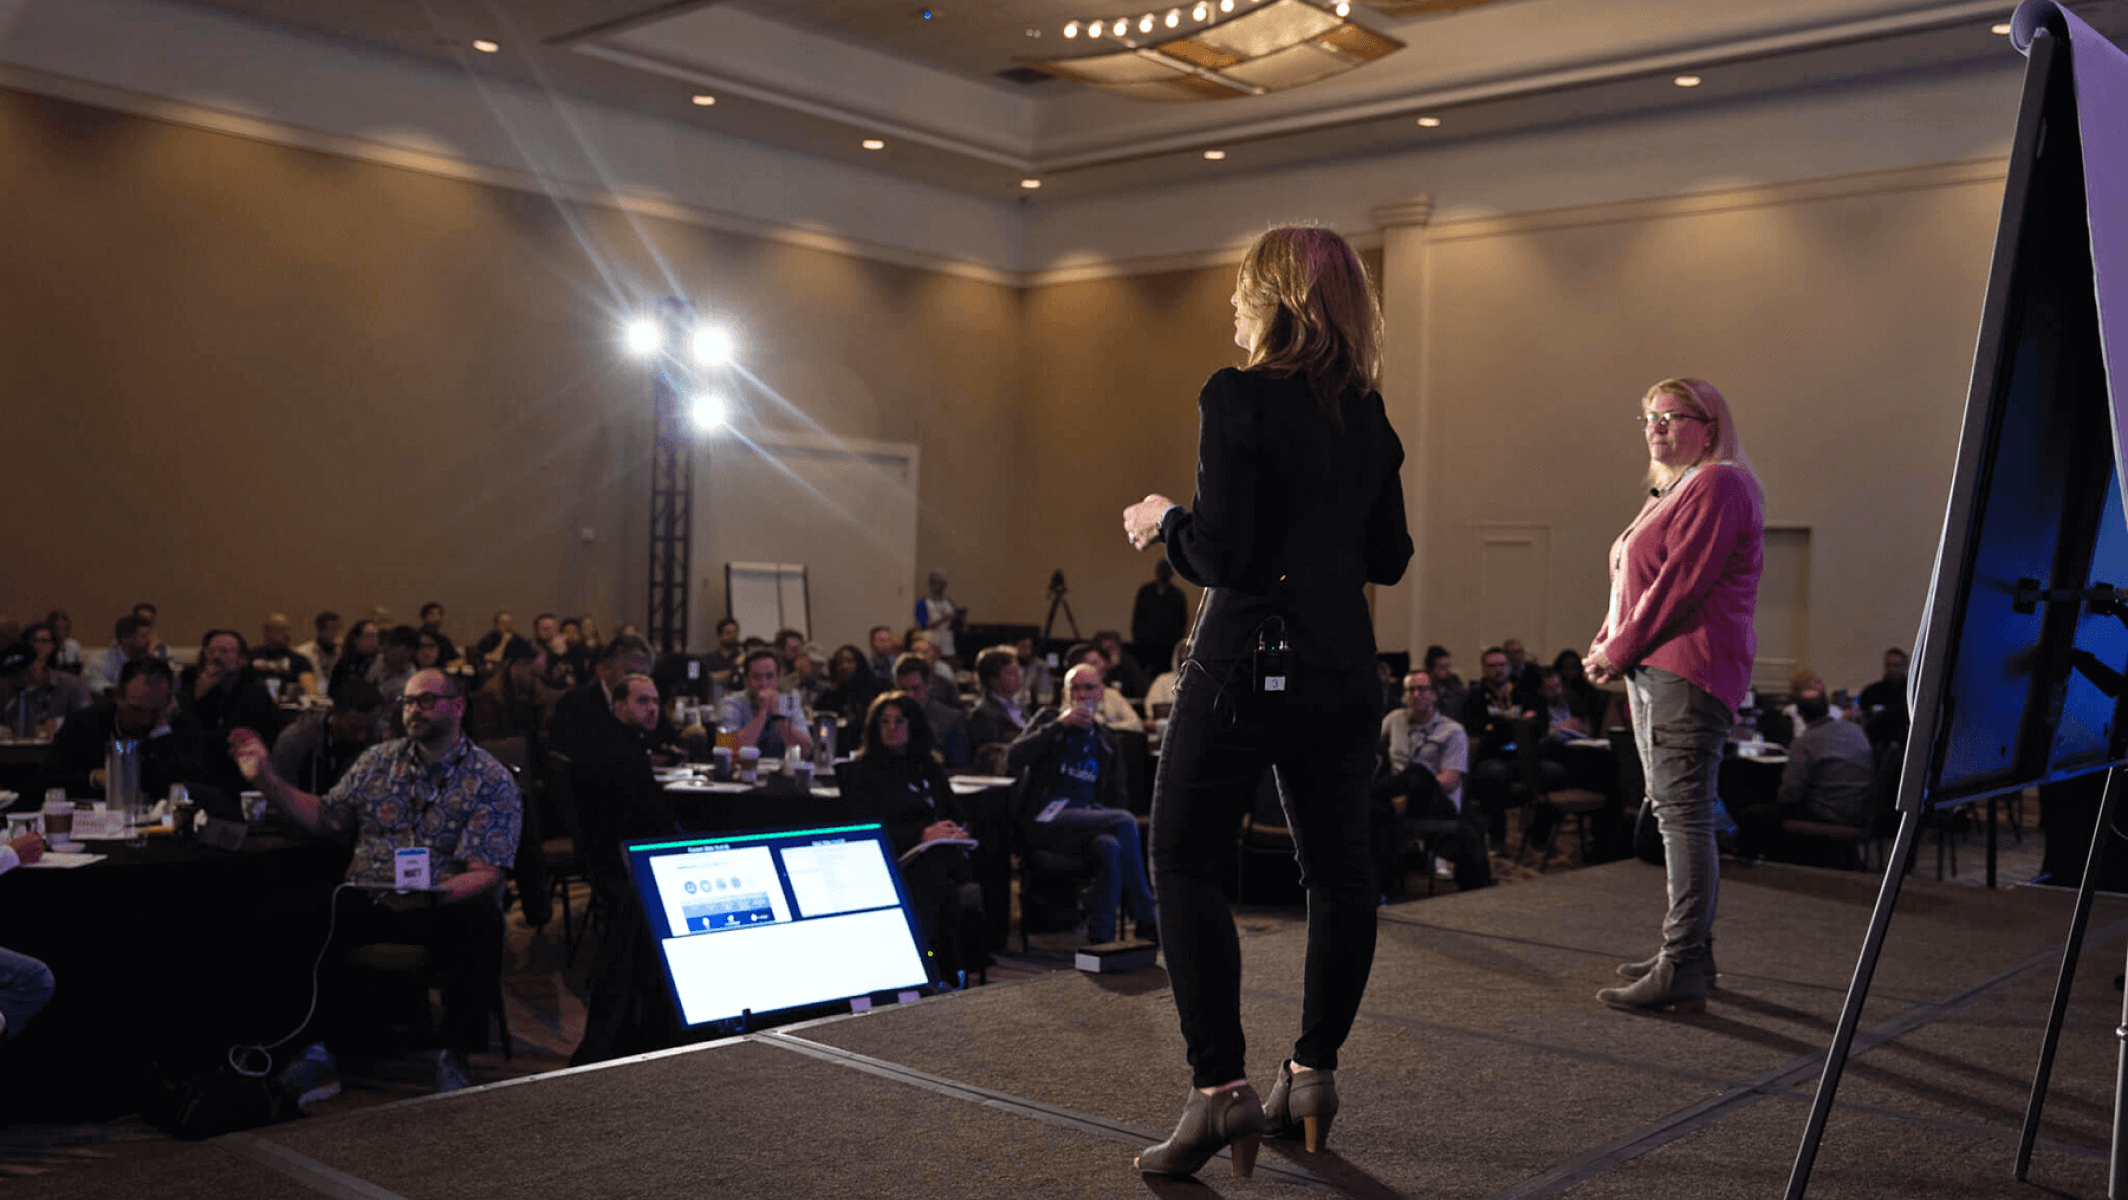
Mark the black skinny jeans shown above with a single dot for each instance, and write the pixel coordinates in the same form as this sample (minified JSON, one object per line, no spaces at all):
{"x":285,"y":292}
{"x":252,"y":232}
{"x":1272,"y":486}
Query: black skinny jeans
{"x":1222,"y":736}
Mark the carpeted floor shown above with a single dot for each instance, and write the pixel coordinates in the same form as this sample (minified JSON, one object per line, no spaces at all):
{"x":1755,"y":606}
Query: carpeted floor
{"x":1481,"y":1066}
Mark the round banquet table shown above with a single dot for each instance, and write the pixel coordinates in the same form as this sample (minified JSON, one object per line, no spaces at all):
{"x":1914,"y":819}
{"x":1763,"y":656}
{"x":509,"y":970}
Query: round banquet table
{"x":129,"y":940}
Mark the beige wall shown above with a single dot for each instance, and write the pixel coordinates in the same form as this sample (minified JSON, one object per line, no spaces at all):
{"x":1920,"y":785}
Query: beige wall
{"x":1837,"y":317}
{"x":241,"y":377}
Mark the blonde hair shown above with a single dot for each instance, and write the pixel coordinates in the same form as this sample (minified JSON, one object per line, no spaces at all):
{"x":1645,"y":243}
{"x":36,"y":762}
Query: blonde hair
{"x":1723,"y":443}
{"x":1310,"y":293}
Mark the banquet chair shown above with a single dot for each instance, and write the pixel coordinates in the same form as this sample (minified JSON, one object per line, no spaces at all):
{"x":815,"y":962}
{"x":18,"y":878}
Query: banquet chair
{"x":565,"y":864}
{"x":1550,"y":806}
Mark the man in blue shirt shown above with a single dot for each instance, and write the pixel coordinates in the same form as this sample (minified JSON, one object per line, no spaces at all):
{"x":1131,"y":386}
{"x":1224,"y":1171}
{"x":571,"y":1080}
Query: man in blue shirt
{"x":1072,"y":803}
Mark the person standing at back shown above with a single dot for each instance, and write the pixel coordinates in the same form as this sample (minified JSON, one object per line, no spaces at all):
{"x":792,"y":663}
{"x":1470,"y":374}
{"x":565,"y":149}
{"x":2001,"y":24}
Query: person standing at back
{"x":1299,"y":506}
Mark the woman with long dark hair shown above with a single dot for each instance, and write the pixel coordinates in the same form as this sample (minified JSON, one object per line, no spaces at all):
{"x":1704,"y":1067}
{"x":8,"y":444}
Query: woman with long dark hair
{"x":1299,"y":507}
{"x":1684,"y":585}
{"x":357,"y":654}
{"x":896,"y":779}
{"x":851,"y":686}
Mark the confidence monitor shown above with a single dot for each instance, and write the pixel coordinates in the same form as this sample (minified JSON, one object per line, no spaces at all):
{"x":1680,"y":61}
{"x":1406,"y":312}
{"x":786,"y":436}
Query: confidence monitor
{"x":754,"y":923}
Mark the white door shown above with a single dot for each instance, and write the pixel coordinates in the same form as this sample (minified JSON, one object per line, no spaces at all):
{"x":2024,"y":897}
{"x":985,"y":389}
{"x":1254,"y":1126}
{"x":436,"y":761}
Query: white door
{"x":844,"y":509}
{"x":1783,"y":616}
{"x":1514,"y":571}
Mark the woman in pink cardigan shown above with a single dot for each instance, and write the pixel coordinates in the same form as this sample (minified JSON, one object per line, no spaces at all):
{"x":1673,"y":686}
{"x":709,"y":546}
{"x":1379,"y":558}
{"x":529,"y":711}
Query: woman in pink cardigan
{"x":1684,"y":581}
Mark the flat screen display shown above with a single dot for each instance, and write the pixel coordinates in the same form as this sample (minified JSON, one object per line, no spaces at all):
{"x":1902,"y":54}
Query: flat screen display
{"x":763,"y":922}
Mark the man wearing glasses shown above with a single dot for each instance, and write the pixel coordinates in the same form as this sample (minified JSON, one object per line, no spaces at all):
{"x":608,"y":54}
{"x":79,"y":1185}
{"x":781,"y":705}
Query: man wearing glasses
{"x":431,"y":807}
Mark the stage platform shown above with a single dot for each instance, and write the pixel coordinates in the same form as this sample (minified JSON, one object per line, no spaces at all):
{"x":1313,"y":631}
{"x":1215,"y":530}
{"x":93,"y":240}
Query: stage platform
{"x":1482,"y":1066}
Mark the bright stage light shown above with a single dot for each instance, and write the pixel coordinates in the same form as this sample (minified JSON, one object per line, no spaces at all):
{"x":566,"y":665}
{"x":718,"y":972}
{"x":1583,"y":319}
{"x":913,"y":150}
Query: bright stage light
{"x":707,"y":412}
{"x":713,"y":346}
{"x":643,"y":337}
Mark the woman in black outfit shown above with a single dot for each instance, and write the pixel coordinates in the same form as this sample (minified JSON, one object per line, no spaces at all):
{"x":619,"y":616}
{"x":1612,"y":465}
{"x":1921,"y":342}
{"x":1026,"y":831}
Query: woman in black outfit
{"x":851,"y":686}
{"x":1299,"y":506}
{"x":357,"y":654}
{"x":895,"y":779}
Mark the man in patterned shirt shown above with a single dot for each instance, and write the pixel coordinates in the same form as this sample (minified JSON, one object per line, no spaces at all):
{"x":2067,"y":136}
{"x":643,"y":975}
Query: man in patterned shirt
{"x":433,"y":791}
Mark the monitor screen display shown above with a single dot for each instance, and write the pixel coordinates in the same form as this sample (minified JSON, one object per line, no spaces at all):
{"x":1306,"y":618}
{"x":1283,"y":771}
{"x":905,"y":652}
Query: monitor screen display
{"x":763,"y":922}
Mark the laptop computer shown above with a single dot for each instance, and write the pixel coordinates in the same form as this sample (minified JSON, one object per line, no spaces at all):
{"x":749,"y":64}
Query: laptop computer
{"x":751,"y":924}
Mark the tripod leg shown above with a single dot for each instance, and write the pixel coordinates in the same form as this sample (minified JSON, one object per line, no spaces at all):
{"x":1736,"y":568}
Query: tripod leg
{"x":1843,"y":1036}
{"x":2070,"y":952}
{"x":2117,"y":1180}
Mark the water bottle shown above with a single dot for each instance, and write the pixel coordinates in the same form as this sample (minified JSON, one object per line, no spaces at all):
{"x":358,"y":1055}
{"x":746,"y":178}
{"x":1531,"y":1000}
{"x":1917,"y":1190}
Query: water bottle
{"x":824,"y":743}
{"x":121,"y":779}
{"x":25,"y":717}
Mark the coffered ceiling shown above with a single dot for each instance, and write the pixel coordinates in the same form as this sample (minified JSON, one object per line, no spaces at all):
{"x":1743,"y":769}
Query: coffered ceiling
{"x":824,"y":77}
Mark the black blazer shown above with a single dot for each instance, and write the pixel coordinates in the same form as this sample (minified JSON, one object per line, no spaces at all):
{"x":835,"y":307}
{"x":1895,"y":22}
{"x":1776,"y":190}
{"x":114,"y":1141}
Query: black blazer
{"x":1294,"y":515}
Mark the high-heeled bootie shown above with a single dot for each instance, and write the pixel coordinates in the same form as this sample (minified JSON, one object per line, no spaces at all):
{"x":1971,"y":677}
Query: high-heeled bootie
{"x":1635,"y":970}
{"x":1228,"y":1117}
{"x":1301,"y":1105}
{"x":1666,"y":986}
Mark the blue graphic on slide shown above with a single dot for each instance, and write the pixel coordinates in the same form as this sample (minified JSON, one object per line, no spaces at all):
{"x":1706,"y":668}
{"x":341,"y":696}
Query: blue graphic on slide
{"x":727,"y":911}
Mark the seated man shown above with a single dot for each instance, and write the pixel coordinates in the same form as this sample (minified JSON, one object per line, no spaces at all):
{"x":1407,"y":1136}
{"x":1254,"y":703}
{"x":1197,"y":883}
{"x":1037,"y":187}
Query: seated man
{"x":729,"y":658}
{"x":1491,"y":712}
{"x":618,"y":799}
{"x":998,"y":716}
{"x":432,"y":798}
{"x":1115,"y":711}
{"x":25,"y":983}
{"x":144,"y":708}
{"x":949,"y":725}
{"x":1426,"y":755}
{"x":589,"y":705}
{"x":36,"y":695}
{"x":274,"y":659}
{"x":1829,"y":768}
{"x":762,"y":715}
{"x":432,"y":617}
{"x":1804,"y":681}
{"x":323,"y":649}
{"x":1448,"y":686}
{"x":1071,"y":801}
{"x":317,"y":750}
{"x":514,"y":702}
{"x":395,"y":661}
{"x":926,"y":647}
{"x":884,"y":651}
{"x":503,"y":632}
{"x":221,"y":694}
{"x":1882,"y":705}
{"x":133,"y":641}
{"x":1562,"y":723}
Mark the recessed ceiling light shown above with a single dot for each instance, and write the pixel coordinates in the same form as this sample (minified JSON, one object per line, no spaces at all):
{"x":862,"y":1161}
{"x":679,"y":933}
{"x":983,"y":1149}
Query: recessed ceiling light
{"x":1121,"y":26}
{"x":1214,"y":155}
{"x":1344,"y":8}
{"x":1030,"y":184}
{"x":1200,"y":12}
{"x":874,"y":144}
{"x":1430,"y":122}
{"x":1686,"y":81}
{"x":485,"y":46}
{"x":1145,"y":23}
{"x":1173,"y":18}
{"x":1071,"y":29}
{"x":704,"y":100}
{"x":1226,"y":5}
{"x":2001,"y":27}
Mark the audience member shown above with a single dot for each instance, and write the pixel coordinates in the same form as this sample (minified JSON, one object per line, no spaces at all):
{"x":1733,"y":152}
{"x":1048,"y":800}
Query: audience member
{"x":884,"y":650}
{"x":998,"y":716}
{"x":149,"y":613}
{"x":1521,"y":669}
{"x":583,"y":709}
{"x":561,"y":668}
{"x":1426,"y":754}
{"x":432,"y":791}
{"x":502,"y":631}
{"x":939,"y":617}
{"x":1071,"y":801}
{"x":25,"y":983}
{"x":395,"y":662}
{"x":1448,"y":686}
{"x":1160,"y":693}
{"x":1882,"y":705}
{"x":922,"y":645}
{"x":291,"y":673}
{"x":358,"y":656}
{"x":133,"y":641}
{"x":1563,"y":721}
{"x":37,"y":695}
{"x":851,"y":687}
{"x":318,"y":749}
{"x":729,"y":657}
{"x":221,"y":694}
{"x":513,"y":701}
{"x":761,"y":714}
{"x":323,"y":649}
{"x":617,"y":799}
{"x":576,"y":650}
{"x":949,"y":726}
{"x":66,"y":652}
{"x":1829,"y":768}
{"x":1490,"y":714}
{"x":1588,"y":701}
{"x":1115,"y":712}
{"x":895,"y":779}
{"x":144,"y":707}
{"x":429,"y":651}
{"x":1038,"y":684}
{"x":432,"y":616}
{"x":1119,"y":670}
{"x":1159,"y":616}
{"x":1801,"y":681}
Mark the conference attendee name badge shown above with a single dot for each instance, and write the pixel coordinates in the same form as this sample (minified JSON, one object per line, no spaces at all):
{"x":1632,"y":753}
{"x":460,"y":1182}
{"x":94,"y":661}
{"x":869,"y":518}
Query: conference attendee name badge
{"x":413,"y":866}
{"x":694,"y":668}
{"x":1049,"y":812}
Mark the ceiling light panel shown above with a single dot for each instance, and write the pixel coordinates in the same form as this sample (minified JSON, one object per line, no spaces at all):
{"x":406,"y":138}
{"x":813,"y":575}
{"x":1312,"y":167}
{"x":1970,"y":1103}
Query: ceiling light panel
{"x":1114,"y":70}
{"x":1291,"y":67}
{"x":1273,"y":27}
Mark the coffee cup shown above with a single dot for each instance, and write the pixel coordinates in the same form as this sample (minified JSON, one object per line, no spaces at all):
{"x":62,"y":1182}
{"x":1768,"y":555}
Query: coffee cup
{"x":721,"y":762}
{"x":59,"y":820}
{"x":750,"y":763}
{"x":19,"y":823}
{"x":805,"y":775}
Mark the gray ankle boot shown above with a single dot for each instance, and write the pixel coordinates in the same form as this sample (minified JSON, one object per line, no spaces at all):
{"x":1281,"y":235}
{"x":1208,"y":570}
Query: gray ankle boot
{"x":1667,"y":986}
{"x":1635,"y":970}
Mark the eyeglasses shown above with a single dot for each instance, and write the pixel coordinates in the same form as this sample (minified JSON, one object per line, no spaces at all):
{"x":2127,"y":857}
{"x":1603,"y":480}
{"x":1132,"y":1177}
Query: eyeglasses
{"x":1661,"y":421}
{"x":425,"y":701}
